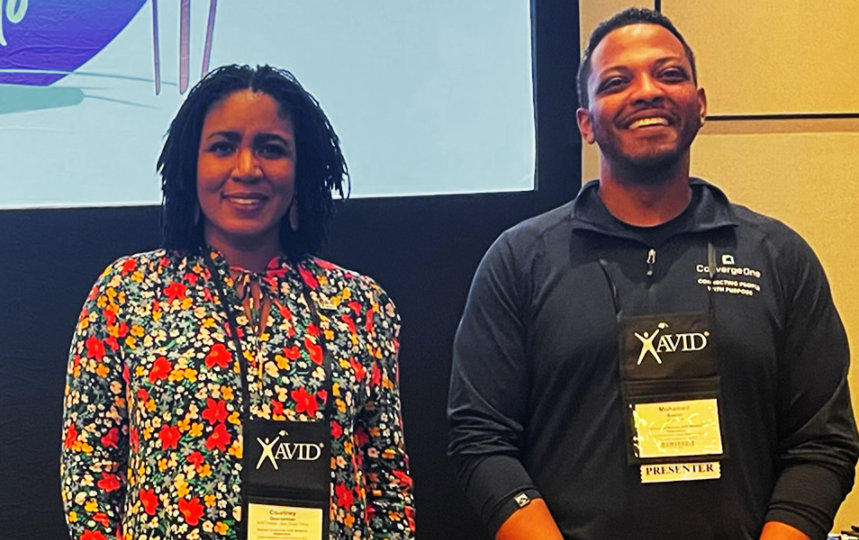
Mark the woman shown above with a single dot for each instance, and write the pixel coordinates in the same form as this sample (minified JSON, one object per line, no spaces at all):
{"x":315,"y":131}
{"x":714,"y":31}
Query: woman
{"x":232,"y":385}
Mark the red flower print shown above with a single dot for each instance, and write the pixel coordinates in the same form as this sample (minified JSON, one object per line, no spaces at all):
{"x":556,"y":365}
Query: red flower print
{"x":101,"y":519}
{"x":196,"y":458}
{"x":109,"y":482}
{"x":314,"y":350}
{"x":349,"y":322}
{"x":218,"y":356}
{"x":355,"y":307}
{"x":404,"y":479}
{"x":324,"y":264}
{"x":377,"y":375}
{"x":191,"y":510}
{"x":336,"y":429}
{"x":128,"y":266}
{"x":358,"y":369}
{"x":92,"y":535}
{"x":175,"y":291}
{"x":304,"y":402}
{"x":293,"y":353}
{"x":215,"y":411}
{"x":368,"y":324}
{"x":308,"y":278}
{"x":94,"y":348}
{"x":122,"y":329}
{"x":111,"y":439}
{"x":160,"y":369}
{"x":71,"y":436}
{"x":142,"y":394}
{"x":169,"y":436}
{"x":109,"y":317}
{"x":149,"y":500}
{"x":284,"y":311}
{"x":134,"y":439}
{"x":313,"y":330}
{"x":344,"y":496}
{"x":111,"y":342}
{"x":191,"y":278}
{"x":219,"y":439}
{"x":276,"y":407}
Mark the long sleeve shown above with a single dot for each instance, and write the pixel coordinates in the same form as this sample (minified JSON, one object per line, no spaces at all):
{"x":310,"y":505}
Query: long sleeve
{"x":818,"y":444}
{"x":380,"y":429}
{"x":95,"y":427}
{"x":489,"y":388}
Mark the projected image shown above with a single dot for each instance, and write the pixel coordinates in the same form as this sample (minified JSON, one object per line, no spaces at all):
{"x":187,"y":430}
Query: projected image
{"x":427,"y":98}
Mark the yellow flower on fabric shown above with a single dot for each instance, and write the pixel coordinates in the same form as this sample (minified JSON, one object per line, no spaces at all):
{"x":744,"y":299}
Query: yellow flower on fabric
{"x":136,"y":330}
{"x":91,"y":505}
{"x":210,"y":500}
{"x":227,"y":393}
{"x":221,"y":528}
{"x":196,"y":429}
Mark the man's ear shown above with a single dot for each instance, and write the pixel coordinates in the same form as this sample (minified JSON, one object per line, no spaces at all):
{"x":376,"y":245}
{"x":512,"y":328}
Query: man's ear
{"x":702,"y":104}
{"x":583,"y":119}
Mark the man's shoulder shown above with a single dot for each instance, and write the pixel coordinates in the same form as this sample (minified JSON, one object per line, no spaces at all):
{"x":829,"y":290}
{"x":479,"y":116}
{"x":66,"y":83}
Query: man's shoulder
{"x":531,"y":230}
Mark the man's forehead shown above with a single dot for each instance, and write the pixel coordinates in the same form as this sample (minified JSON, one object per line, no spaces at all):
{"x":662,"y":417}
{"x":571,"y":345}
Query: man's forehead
{"x":633,"y":40}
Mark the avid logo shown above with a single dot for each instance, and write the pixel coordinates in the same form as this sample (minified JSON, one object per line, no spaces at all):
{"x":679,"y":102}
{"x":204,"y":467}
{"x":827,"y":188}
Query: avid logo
{"x":274,"y":450}
{"x":657,"y":343}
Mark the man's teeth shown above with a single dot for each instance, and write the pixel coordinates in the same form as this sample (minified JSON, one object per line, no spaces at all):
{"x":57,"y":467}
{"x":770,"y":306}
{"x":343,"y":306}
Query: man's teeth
{"x":654,"y":121}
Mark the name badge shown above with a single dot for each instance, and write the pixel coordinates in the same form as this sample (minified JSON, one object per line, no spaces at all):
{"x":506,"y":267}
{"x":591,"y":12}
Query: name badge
{"x":283,"y":522}
{"x":677,"y":428}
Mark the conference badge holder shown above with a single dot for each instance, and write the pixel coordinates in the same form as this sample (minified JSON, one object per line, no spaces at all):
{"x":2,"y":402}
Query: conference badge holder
{"x":286,"y":480}
{"x":670,"y":389}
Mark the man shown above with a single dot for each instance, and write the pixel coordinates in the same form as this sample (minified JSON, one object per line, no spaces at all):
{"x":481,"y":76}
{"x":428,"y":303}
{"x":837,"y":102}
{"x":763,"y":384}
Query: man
{"x":650,"y":360}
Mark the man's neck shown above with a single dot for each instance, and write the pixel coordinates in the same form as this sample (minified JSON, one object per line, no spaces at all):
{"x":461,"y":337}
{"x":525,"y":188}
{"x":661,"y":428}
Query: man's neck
{"x":645,"y":197}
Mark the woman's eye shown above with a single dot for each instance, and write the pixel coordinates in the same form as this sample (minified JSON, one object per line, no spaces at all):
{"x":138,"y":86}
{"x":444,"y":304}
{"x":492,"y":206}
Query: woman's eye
{"x":221,"y":148}
{"x":273,"y":150}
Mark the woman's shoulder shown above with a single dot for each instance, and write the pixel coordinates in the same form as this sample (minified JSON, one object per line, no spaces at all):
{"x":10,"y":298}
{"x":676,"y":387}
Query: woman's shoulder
{"x":333,"y":280}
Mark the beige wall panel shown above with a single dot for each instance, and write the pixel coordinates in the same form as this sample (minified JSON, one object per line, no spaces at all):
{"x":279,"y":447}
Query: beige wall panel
{"x":810,"y":181}
{"x":773,"y":56}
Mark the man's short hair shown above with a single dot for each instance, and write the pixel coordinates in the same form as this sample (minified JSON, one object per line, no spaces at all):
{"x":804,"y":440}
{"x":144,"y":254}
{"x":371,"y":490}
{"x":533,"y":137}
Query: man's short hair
{"x":320,"y":167}
{"x":625,"y":18}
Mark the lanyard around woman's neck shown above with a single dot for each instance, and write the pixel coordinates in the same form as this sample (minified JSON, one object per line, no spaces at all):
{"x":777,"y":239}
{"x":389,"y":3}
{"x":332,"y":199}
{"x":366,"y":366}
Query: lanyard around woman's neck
{"x":237,"y":342}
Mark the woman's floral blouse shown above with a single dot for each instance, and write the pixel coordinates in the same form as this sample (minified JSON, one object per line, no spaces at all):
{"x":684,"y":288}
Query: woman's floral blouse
{"x":152,"y":435}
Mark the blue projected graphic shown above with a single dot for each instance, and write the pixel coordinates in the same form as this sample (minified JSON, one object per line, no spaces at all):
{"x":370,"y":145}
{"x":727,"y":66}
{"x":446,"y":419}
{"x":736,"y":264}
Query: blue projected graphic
{"x":427,"y":97}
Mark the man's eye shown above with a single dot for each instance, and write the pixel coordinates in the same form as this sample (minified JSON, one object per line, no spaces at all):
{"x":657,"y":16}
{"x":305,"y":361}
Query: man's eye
{"x":611,"y":84}
{"x":674,"y":74}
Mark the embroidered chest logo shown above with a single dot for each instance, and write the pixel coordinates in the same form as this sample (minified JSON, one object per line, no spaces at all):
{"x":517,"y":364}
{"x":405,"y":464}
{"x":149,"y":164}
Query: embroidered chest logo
{"x":729,"y":277}
{"x":669,"y":343}
{"x":274,"y":450}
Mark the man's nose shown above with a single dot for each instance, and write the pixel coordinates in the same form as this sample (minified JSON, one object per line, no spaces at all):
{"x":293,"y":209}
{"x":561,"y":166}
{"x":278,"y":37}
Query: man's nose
{"x":646,"y":89}
{"x":247,"y":167}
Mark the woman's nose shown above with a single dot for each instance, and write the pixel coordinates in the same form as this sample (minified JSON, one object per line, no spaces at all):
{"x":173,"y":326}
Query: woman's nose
{"x":247,"y":165}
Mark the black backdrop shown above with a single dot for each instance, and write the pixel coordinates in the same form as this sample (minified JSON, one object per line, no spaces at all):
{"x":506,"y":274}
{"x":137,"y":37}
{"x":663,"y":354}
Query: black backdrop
{"x":423,"y":250}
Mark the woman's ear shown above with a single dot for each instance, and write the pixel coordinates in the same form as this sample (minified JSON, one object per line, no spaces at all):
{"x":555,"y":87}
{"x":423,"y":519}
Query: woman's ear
{"x":293,"y":216}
